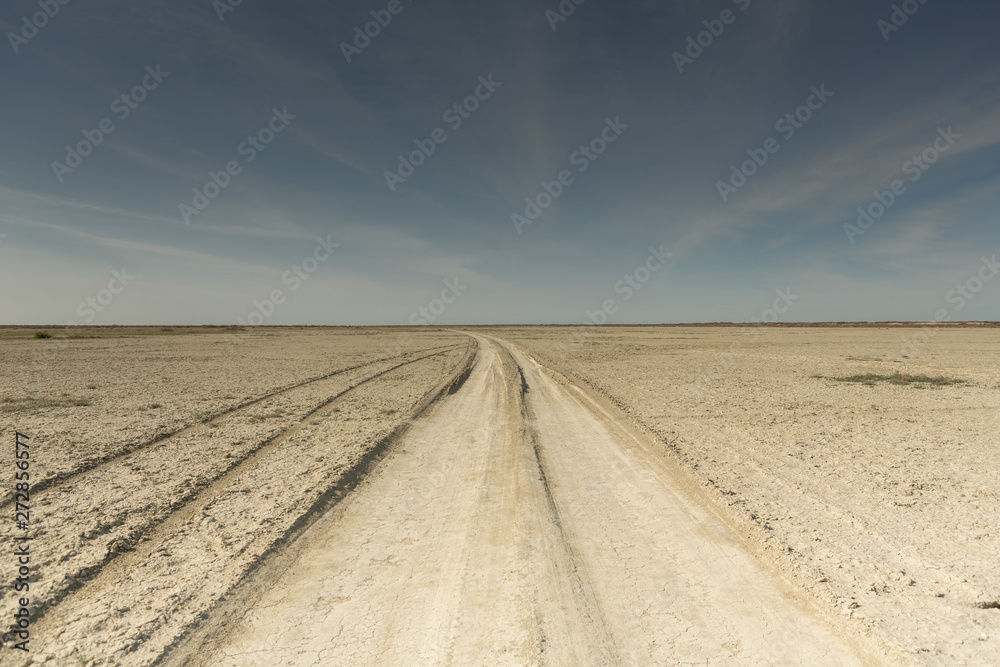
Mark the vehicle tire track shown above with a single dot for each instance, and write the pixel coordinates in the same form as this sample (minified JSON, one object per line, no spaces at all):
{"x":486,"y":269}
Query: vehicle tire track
{"x":473,"y":568}
{"x":550,"y":541}
{"x":81,"y":577}
{"x":673,"y":582}
{"x":585,"y":603}
{"x":193,"y":644}
{"x":47,"y":483}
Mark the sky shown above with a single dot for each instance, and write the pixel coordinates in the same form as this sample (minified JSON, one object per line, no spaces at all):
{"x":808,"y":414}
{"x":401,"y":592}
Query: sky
{"x":528,"y":161}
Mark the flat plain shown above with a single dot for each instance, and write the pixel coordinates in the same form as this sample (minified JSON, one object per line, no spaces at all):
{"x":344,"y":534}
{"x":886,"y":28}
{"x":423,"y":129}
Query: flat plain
{"x":509,"y":495}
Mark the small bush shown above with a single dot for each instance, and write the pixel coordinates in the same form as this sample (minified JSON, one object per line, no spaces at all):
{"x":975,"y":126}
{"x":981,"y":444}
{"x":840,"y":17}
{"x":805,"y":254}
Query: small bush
{"x":42,"y":334}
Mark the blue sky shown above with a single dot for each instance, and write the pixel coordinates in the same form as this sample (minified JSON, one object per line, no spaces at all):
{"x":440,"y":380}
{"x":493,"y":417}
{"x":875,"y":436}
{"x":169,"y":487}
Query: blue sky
{"x":551,"y":92}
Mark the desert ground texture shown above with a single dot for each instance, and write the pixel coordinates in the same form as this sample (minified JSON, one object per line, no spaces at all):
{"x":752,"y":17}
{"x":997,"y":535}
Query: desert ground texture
{"x":505,"y":496}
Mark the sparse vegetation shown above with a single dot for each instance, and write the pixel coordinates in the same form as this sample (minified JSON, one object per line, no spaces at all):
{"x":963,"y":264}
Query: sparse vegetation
{"x":269,"y":415}
{"x":42,"y":334}
{"x":870,"y":379}
{"x":10,"y":404}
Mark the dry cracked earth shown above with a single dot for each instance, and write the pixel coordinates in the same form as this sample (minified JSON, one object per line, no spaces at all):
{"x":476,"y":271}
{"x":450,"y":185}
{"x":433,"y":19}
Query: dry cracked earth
{"x":506,"y":496}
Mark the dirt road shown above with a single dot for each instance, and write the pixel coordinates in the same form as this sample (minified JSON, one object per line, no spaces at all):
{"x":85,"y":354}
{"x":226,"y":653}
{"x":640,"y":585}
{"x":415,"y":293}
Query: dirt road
{"x":516,"y":524}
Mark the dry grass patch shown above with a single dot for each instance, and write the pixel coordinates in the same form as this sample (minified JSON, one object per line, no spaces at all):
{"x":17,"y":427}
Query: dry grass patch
{"x":870,"y":379}
{"x":28,"y":403}
{"x":274,"y":414}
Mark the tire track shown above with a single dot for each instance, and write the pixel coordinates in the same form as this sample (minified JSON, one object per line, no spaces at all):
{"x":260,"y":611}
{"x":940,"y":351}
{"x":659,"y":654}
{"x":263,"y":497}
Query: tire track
{"x":190,"y":646}
{"x":602,"y":644}
{"x":550,"y":541}
{"x":473,"y":571}
{"x":673,"y":583}
{"x":174,"y":580}
{"x":46,"y":483}
{"x":81,"y":577}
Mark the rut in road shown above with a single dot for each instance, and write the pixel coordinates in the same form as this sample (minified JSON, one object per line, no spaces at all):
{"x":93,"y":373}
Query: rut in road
{"x":516,"y":525}
{"x":84,"y":467}
{"x":161,"y":498}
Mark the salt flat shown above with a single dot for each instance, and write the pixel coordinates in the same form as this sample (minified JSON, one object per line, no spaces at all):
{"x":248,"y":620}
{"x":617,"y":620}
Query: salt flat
{"x":639,"y":495}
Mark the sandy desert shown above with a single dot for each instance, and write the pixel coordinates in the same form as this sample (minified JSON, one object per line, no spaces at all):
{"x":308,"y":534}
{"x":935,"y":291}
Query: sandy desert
{"x":505,"y":496}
